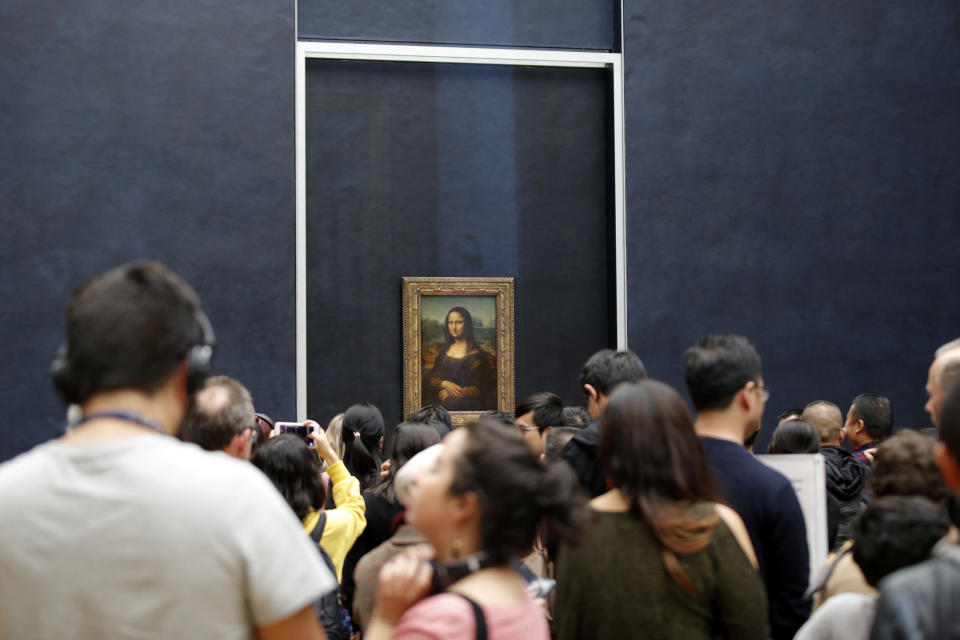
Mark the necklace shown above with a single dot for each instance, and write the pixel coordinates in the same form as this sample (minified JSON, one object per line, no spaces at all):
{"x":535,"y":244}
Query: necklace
{"x":129,"y":416}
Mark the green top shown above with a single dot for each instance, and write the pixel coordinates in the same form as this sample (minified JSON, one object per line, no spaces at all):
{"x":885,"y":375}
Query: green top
{"x":615,"y":585}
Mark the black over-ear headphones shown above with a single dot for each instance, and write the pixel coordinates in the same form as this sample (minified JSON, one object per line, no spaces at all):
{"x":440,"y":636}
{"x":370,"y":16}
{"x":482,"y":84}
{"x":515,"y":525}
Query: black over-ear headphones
{"x":198,"y":357}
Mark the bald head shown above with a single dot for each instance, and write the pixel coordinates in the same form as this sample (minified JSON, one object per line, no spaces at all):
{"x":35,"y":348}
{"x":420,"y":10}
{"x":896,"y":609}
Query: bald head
{"x":944,"y":371}
{"x":827,"y":418}
{"x":211,"y":400}
{"x":220,"y":417}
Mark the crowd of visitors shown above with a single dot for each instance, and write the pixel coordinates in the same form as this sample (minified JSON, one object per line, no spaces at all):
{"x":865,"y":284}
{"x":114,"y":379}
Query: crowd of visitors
{"x":170,"y":508}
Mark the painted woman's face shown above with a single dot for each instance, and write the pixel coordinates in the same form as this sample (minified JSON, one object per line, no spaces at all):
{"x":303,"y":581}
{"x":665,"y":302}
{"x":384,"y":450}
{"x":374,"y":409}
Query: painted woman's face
{"x":455,"y":324}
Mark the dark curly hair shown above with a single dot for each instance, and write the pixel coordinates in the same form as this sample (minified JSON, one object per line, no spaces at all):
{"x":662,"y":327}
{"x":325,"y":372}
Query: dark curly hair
{"x":905,"y":465}
{"x":294,"y":470}
{"x":516,"y":493}
{"x":895,"y":532}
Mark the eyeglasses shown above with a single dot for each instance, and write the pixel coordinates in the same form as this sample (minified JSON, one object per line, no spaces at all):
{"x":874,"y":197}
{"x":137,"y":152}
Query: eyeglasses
{"x":764,"y":391}
{"x":524,"y":428}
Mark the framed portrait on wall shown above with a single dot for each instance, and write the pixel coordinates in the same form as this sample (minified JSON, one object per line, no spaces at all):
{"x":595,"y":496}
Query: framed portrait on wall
{"x":458,"y":345}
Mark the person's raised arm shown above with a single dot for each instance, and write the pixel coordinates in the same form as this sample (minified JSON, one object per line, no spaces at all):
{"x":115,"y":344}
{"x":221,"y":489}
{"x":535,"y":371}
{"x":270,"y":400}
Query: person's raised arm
{"x":348,"y":520}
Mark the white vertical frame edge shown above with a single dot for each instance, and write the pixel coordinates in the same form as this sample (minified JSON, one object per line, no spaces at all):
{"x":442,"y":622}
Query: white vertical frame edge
{"x":300,"y":69}
{"x":455,"y":55}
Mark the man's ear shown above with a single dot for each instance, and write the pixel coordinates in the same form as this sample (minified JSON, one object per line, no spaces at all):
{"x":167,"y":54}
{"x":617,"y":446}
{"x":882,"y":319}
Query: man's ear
{"x":179,"y":380}
{"x":860,"y":427}
{"x":745,"y":396}
{"x":948,"y":466}
{"x":591,"y":392}
{"x":238,"y":446}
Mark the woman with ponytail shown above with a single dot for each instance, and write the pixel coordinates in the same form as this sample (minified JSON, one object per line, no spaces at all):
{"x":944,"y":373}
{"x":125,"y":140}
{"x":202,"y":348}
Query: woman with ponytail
{"x":361,"y":432}
{"x":480,"y":507}
{"x":664,"y":560}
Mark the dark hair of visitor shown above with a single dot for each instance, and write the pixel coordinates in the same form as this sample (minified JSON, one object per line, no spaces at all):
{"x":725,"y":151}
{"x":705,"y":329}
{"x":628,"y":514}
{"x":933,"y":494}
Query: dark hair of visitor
{"x":789,"y":412}
{"x":517,"y":495}
{"x":361,"y":431}
{"x":795,"y":436}
{"x":467,"y":325}
{"x":557,"y":439}
{"x":294,"y":469}
{"x":905,"y":464}
{"x":129,"y":328}
{"x":505,"y":418}
{"x":876,"y":413}
{"x":717,"y":367}
{"x":546,"y":407}
{"x":607,"y":368}
{"x":409,"y":439}
{"x":575,"y":416}
{"x":649,"y":450}
{"x":215,"y":430}
{"x":431,"y":413}
{"x":894,"y":532}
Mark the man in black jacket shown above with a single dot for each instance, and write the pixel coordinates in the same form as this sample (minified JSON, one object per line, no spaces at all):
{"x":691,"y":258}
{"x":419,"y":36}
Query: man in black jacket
{"x":920,"y":602}
{"x":846,"y":478}
{"x":601,"y":373}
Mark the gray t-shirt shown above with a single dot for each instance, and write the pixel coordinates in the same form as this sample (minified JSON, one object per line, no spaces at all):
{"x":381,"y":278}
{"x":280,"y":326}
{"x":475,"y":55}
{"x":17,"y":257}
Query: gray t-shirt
{"x":147,"y":537}
{"x":845,"y":616}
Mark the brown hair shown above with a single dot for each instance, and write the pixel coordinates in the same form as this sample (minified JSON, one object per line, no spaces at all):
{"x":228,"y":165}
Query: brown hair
{"x":905,"y":465}
{"x":649,"y":450}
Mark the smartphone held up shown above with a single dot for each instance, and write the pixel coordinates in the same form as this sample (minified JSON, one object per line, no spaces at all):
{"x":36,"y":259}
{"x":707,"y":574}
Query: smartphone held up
{"x":298,"y":429}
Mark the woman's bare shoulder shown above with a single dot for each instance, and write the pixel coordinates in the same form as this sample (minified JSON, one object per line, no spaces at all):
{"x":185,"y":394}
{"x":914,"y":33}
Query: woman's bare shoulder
{"x":739,"y":530}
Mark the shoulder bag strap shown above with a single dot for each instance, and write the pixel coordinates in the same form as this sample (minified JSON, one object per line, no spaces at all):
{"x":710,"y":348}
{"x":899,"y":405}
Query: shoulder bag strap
{"x":478,"y":616}
{"x":317,"y":532}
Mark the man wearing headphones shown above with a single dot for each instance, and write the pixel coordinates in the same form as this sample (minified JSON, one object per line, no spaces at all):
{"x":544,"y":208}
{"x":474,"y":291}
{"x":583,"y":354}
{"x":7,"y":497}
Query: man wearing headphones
{"x":117,"y":529}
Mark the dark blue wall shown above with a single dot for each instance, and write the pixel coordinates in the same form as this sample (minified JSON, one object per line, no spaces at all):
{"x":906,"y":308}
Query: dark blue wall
{"x":144,"y":129}
{"x":552,"y":24}
{"x":794,"y":175}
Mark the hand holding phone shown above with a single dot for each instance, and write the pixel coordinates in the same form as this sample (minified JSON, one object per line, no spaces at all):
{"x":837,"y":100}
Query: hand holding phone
{"x":325,"y":450}
{"x":299,"y":429}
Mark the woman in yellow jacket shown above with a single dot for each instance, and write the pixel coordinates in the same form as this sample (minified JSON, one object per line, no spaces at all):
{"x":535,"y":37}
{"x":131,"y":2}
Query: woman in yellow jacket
{"x":295,"y":470}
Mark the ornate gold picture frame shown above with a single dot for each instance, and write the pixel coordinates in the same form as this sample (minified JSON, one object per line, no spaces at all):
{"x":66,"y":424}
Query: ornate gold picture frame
{"x":458,"y":345}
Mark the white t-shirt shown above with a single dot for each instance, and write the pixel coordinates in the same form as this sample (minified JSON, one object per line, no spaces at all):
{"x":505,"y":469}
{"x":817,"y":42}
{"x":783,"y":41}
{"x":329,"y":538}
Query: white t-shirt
{"x":147,"y":537}
{"x":844,"y":616}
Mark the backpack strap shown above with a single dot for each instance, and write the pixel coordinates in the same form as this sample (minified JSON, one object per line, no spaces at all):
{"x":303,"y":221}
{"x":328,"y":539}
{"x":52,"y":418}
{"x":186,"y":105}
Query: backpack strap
{"x":317,"y":532}
{"x":477,"y":615}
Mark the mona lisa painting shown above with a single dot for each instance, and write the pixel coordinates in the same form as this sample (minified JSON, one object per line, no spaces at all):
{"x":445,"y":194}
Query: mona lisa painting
{"x":458,"y":345}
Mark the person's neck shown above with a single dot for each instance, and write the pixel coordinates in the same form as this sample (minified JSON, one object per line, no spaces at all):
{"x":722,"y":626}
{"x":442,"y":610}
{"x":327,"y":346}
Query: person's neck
{"x":720,"y":425}
{"x":496,"y":585}
{"x":154,"y":408}
{"x":613,"y":501}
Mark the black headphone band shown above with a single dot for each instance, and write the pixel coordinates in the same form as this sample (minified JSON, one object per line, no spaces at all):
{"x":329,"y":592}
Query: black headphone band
{"x":198,"y":358}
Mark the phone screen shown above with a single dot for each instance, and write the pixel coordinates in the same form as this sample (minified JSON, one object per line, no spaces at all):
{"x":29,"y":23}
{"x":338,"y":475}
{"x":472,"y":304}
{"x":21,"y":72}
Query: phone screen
{"x":301,"y":430}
